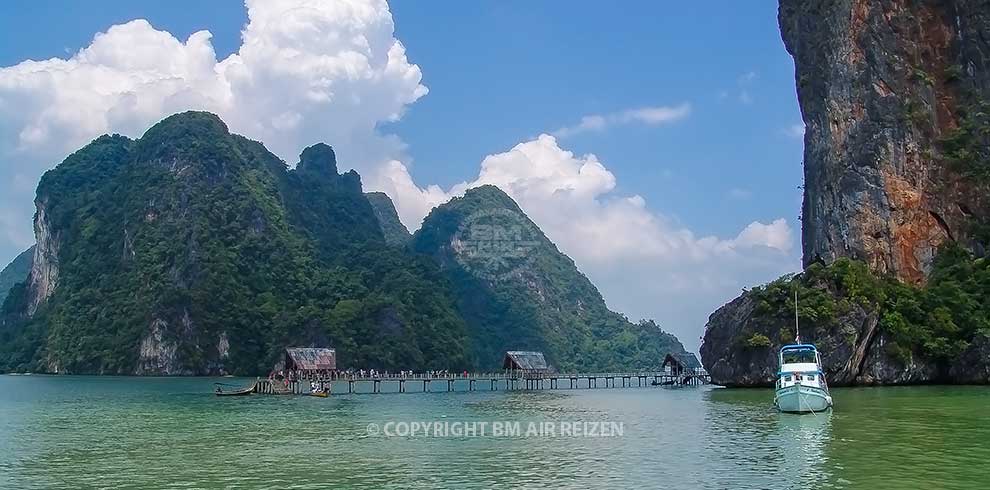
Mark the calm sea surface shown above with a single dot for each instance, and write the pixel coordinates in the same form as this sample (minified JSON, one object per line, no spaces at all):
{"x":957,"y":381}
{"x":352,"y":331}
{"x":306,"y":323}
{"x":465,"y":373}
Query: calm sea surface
{"x":85,"y":432}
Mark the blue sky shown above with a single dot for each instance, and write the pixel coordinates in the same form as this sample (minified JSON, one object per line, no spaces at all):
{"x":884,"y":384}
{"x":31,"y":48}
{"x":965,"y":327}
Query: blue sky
{"x":501,"y":73}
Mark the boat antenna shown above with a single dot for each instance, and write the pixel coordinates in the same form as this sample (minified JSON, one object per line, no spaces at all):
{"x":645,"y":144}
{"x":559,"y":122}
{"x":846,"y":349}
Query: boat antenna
{"x":797,"y":329}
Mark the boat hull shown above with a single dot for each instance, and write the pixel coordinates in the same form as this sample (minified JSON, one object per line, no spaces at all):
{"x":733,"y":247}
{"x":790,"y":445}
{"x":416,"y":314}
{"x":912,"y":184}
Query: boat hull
{"x":802,"y":399}
{"x":239,"y":392}
{"x":244,"y":392}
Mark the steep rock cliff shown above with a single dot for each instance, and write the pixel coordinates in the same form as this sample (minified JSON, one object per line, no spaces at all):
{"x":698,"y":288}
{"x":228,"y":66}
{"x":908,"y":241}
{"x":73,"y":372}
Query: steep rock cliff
{"x":883,"y":86}
{"x":44,"y":266}
{"x":897,"y":180}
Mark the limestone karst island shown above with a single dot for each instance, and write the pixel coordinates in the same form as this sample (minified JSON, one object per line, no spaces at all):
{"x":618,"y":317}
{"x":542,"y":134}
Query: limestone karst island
{"x":365,"y":244}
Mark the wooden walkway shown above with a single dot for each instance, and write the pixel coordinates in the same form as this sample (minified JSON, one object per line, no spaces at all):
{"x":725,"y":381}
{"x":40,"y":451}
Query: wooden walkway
{"x":425,"y":383}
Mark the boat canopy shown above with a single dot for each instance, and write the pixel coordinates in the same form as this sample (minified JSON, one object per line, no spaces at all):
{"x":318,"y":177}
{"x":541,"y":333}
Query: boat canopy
{"x":799,"y":354}
{"x":798,"y":348}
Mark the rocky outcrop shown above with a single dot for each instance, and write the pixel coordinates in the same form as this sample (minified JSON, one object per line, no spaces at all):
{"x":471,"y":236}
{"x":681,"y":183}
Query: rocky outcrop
{"x":973,"y":366}
{"x":742,"y":340}
{"x":734,"y":359}
{"x":882,"y":84}
{"x":726,"y":356}
{"x":157,"y":351}
{"x":882,"y":368}
{"x":44,"y":266}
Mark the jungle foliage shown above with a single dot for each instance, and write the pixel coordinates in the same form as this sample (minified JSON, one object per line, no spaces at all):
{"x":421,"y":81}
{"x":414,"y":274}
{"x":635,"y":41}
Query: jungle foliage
{"x":937,"y":320}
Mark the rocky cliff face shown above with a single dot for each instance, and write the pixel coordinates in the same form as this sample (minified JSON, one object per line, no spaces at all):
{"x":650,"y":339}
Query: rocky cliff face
{"x":897,"y":165}
{"x":44,"y":266}
{"x":883,"y":85}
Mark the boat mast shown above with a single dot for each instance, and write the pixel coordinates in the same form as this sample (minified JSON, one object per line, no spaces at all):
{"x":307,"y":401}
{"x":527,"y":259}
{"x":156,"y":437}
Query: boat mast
{"x":797,"y":329}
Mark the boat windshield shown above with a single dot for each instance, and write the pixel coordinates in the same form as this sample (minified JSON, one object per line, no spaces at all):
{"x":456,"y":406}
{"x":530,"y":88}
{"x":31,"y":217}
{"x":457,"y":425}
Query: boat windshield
{"x":799,"y":356}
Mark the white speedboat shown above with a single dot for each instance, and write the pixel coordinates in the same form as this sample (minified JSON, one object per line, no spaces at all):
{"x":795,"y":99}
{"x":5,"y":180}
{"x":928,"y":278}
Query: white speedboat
{"x":801,"y":385}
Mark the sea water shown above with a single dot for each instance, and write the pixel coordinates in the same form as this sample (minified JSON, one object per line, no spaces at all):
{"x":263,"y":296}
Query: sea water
{"x":84,"y":432}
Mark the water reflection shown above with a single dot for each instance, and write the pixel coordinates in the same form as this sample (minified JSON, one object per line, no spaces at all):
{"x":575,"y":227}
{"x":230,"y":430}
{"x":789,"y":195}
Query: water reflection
{"x":754,"y":443}
{"x":804,"y":439}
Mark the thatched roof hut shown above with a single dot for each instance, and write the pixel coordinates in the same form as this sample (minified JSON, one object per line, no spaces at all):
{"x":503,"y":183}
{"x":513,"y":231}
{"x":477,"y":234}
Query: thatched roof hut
{"x":529,"y":361}
{"x":680,"y":362}
{"x":310,"y":359}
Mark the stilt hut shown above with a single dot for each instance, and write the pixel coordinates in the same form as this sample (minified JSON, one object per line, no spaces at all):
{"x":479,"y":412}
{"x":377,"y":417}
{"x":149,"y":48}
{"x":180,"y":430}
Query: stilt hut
{"x":680,"y":363}
{"x":529,"y":363}
{"x":309,"y":363}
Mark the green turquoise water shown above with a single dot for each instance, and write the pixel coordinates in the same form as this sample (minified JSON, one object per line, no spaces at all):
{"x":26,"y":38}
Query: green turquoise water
{"x":85,"y":432}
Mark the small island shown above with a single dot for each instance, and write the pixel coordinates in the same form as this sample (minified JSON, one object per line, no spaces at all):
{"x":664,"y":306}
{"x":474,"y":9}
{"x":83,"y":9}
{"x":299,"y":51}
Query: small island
{"x":895,"y":223}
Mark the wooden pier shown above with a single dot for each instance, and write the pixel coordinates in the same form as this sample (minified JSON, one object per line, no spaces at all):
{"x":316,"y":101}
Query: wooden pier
{"x":338,"y":382}
{"x":304,"y":370}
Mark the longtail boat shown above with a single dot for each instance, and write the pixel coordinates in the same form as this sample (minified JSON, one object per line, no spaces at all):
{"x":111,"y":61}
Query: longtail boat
{"x":219,"y":390}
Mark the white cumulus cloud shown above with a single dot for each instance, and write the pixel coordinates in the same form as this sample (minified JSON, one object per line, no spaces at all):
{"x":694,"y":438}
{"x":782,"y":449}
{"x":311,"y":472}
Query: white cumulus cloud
{"x":306,"y":71}
{"x":572,"y":197}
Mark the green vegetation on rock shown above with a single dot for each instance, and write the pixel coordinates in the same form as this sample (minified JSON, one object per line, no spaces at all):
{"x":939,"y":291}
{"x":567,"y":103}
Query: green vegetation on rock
{"x":938,"y":320}
{"x":195,"y":251}
{"x":966,"y":147}
{"x":534,"y":300}
{"x":394,"y":231}
{"x":758,"y":341}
